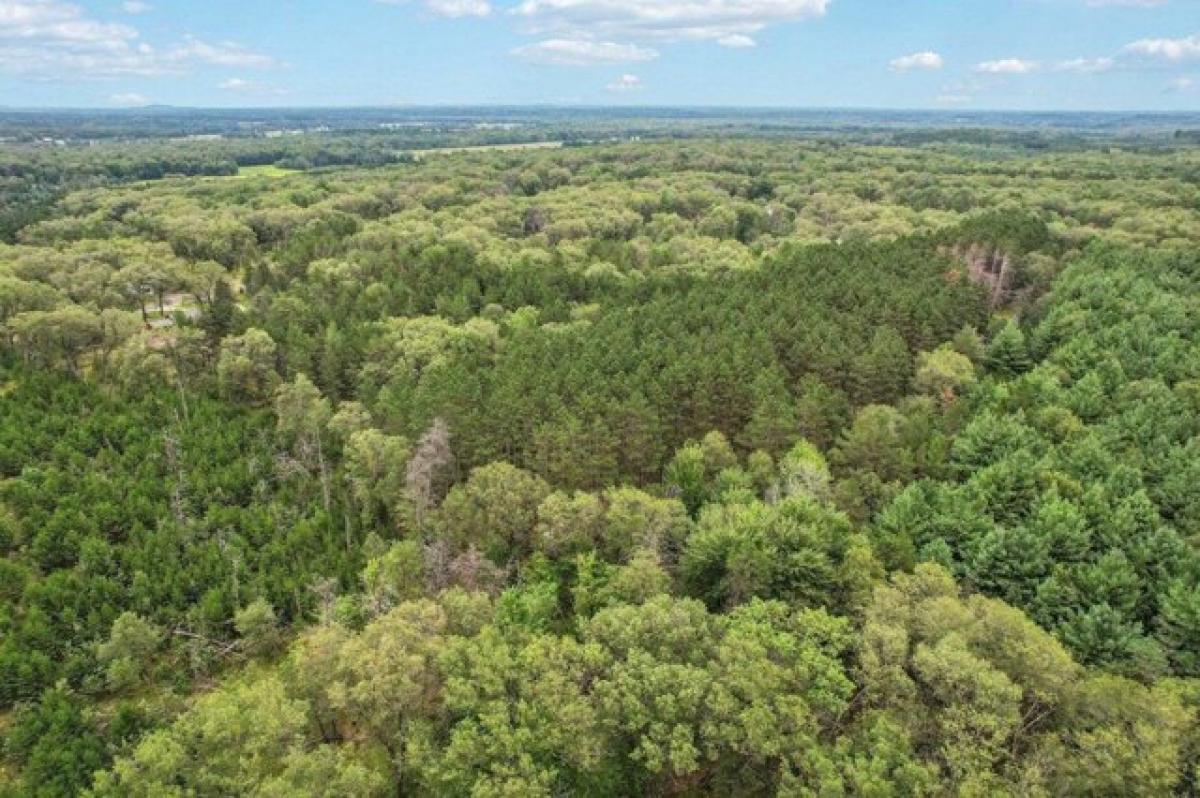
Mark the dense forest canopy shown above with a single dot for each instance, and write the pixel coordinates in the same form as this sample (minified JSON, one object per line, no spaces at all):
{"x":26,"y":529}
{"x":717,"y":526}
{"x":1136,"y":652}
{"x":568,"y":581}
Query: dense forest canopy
{"x":862,"y":463}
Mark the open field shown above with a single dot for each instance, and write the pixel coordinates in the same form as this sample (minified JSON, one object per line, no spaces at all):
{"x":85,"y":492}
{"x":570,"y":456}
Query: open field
{"x":267,"y":170}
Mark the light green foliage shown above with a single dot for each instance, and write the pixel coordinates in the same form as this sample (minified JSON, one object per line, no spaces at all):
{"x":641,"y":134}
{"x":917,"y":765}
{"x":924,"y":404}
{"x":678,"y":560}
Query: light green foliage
{"x":636,"y":520}
{"x":804,"y":472}
{"x":246,"y":366}
{"x":569,"y":524}
{"x":258,"y":626}
{"x":231,"y":742}
{"x":943,"y":373}
{"x":533,"y":602}
{"x":1125,"y":738}
{"x":490,"y":750}
{"x":384,"y":680}
{"x":778,"y":680}
{"x":128,"y":652}
{"x":875,"y":443}
{"x":599,"y":585}
{"x":789,"y":551}
{"x":495,"y":510}
{"x":56,"y":337}
{"x":376,"y":469}
{"x":686,"y":474}
{"x":349,"y":418}
{"x":654,"y":695}
{"x":394,"y":576}
{"x":983,"y":679}
{"x":301,"y":411}
{"x":873,"y":458}
{"x":695,"y":472}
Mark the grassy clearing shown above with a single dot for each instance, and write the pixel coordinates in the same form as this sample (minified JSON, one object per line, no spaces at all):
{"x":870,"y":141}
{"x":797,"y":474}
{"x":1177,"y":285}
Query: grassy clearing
{"x":269,"y":170}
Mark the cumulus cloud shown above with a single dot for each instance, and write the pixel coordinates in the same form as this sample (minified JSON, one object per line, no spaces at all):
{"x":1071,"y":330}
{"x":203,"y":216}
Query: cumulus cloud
{"x":1182,"y":49}
{"x":583,"y":52}
{"x":136,"y":7}
{"x":55,"y":22}
{"x":626,"y":83}
{"x":923,"y":60}
{"x":1086,"y":65}
{"x":129,"y":99}
{"x":1008,"y":66}
{"x":52,"y":39}
{"x":733,"y":23}
{"x":1141,"y":54}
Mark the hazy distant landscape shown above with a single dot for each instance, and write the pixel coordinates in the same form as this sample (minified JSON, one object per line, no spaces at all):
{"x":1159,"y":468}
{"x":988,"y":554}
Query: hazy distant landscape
{"x":167,"y":121}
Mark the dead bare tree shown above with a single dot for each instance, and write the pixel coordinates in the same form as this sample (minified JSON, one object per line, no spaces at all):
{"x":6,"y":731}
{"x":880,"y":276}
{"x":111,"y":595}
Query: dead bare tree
{"x":427,"y":470}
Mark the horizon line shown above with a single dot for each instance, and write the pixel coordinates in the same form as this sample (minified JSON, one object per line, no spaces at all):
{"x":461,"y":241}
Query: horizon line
{"x":586,"y":107}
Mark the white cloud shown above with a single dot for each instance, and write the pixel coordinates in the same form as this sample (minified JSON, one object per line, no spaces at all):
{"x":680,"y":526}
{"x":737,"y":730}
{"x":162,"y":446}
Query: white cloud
{"x":129,"y":100}
{"x":459,"y":8}
{"x":736,"y":40}
{"x":1008,"y":66}
{"x":1183,"y":84}
{"x":1086,"y":65}
{"x":59,"y":23}
{"x":1182,"y":49}
{"x":923,"y":60}
{"x":136,"y":7}
{"x":244,"y":86}
{"x":953,"y":99}
{"x":53,"y":39}
{"x":733,"y":23}
{"x":626,"y":83}
{"x":227,"y":54}
{"x":46,"y":37}
{"x":582,"y":52}
{"x":454,"y":9}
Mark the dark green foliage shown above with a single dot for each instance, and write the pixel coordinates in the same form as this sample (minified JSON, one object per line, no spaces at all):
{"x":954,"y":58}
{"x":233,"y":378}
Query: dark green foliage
{"x":55,"y":744}
{"x":1007,"y":354}
{"x":121,"y":504}
{"x":1082,"y":520}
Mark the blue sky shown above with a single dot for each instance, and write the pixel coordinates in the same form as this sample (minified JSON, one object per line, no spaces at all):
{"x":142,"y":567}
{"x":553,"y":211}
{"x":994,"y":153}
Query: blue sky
{"x":987,"y":54}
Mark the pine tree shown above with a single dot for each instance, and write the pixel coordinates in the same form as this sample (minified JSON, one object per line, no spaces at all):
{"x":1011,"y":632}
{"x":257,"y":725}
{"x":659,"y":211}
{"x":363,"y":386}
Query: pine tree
{"x":1007,"y":354}
{"x":772,"y":426}
{"x":881,"y":374}
{"x":219,"y":320}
